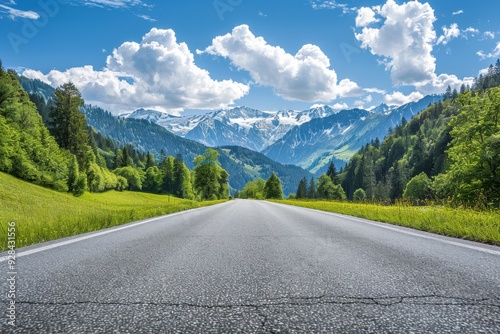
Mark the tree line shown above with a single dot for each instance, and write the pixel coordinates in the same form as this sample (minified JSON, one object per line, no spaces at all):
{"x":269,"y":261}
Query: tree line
{"x":50,"y":143}
{"x":450,"y":151}
{"x":260,"y":189}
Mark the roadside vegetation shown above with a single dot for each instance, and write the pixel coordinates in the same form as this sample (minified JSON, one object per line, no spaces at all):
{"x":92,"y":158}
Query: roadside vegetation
{"x":475,"y":225}
{"x":42,"y":214}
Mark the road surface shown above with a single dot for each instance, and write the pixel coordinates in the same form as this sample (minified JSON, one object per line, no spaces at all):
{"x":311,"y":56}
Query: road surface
{"x":256,"y":267}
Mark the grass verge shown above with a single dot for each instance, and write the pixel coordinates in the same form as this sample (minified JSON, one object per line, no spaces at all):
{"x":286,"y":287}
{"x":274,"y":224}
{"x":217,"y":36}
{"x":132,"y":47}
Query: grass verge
{"x":482,"y":226}
{"x":42,"y":214}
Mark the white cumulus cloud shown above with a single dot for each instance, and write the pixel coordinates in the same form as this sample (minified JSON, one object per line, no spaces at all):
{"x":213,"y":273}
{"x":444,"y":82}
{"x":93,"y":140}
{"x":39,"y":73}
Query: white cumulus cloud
{"x":305,"y":76}
{"x":157,"y":73}
{"x":340,"y":106}
{"x":405,"y":42}
{"x":397,"y":98}
{"x":365,"y":16}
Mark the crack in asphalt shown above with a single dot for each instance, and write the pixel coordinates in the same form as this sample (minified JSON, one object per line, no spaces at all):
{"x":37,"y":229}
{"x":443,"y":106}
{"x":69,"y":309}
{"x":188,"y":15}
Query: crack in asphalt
{"x":260,"y":307}
{"x":300,"y":301}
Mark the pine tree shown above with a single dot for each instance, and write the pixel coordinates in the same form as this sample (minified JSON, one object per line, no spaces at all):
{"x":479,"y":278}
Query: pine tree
{"x":178,"y":176}
{"x":311,"y":189}
{"x":68,"y":124}
{"x":273,"y":189}
{"x":447,"y":94}
{"x":150,"y":160}
{"x":332,"y":172}
{"x":167,"y":170}
{"x":73,"y":174}
{"x":302,"y":189}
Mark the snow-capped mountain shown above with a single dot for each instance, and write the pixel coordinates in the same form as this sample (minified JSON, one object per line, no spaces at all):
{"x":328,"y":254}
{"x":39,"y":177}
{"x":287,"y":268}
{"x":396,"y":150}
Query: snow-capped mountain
{"x":241,"y":126}
{"x":309,"y":138}
{"x":314,"y":144}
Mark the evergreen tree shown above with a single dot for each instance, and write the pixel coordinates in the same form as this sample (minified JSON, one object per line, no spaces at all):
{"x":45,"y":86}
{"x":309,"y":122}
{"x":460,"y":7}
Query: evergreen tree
{"x":167,"y":171}
{"x":73,"y":174}
{"x":332,"y":173}
{"x":210,"y":179}
{"x":311,"y":189}
{"x":182,"y":179}
{"x":68,"y":124}
{"x":150,"y":160}
{"x":178,"y":176}
{"x":302,"y":189}
{"x":447,"y":94}
{"x":273,"y":189}
{"x":126,"y":159}
{"x":118,"y":159}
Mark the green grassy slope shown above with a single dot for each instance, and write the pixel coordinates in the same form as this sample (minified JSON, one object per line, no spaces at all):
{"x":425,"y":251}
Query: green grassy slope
{"x":482,"y":226}
{"x":42,"y":214}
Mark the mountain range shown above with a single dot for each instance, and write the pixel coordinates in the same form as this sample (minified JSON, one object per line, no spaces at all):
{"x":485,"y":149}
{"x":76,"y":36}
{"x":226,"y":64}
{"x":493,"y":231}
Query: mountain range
{"x":309,"y":138}
{"x":276,"y":141}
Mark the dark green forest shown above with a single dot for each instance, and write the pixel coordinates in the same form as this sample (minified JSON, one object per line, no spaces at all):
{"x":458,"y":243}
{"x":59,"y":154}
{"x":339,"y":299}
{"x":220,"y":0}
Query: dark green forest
{"x":451,"y":151}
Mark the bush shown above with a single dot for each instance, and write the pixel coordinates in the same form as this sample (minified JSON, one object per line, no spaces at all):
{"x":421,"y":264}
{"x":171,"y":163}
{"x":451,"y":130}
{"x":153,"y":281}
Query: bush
{"x":359,"y":195}
{"x":80,"y":185}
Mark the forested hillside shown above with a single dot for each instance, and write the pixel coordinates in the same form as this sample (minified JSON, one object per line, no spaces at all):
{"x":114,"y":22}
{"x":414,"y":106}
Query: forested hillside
{"x":56,"y":148}
{"x":116,"y":139}
{"x":450,"y":151}
{"x":27,"y":149}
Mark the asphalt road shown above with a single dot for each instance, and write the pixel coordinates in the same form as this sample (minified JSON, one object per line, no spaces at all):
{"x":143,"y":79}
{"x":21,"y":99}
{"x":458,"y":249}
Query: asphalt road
{"x":256,"y":267}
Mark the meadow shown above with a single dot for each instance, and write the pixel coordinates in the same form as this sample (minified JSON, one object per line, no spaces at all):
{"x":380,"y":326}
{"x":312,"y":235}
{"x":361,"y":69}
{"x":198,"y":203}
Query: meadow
{"x":42,"y":214}
{"x":475,"y":225}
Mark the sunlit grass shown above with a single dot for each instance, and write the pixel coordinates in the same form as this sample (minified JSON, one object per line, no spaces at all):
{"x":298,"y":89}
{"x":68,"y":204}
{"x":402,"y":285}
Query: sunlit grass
{"x":41,"y":214}
{"x":483,"y":226}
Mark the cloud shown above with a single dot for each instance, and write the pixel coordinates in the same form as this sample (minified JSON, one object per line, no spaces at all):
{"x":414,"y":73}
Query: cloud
{"x":157,"y":73}
{"x":448,"y":34}
{"x":489,"y":34}
{"x":375,"y":90}
{"x":397,"y":98}
{"x":340,"y":106}
{"x":330,"y":4}
{"x":405,"y":42}
{"x":493,"y":54}
{"x":365,"y":17}
{"x":439,"y":83}
{"x":110,"y":3}
{"x":305,"y":76}
{"x":458,"y":12}
{"x":16,"y":13}
{"x":147,"y":18}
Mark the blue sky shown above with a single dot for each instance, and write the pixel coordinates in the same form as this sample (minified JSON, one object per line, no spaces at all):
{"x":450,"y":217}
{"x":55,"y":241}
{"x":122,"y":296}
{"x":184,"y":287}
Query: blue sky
{"x":179,"y":56}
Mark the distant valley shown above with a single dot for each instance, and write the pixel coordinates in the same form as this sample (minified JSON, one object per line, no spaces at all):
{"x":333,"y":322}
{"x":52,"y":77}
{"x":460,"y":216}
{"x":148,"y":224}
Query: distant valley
{"x":309,"y":139}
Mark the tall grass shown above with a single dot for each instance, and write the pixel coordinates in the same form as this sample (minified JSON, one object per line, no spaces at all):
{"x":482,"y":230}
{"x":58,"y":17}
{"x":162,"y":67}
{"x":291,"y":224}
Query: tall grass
{"x":41,"y":214}
{"x":482,"y":226}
